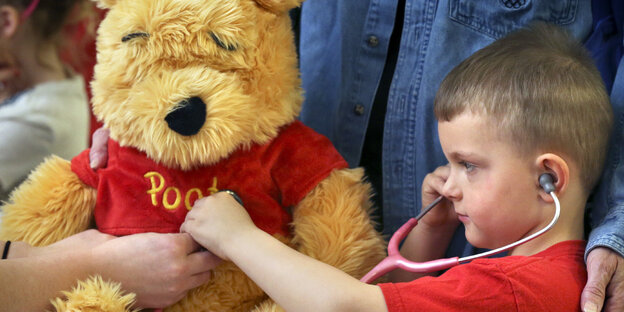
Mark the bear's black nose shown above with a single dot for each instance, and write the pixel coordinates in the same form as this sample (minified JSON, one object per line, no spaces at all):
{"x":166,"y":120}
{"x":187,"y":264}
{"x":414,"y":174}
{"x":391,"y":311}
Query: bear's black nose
{"x":188,"y":118}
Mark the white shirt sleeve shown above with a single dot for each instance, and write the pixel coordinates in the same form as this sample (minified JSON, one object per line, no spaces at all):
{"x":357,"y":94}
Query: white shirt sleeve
{"x":23,"y":146}
{"x":51,"y":118}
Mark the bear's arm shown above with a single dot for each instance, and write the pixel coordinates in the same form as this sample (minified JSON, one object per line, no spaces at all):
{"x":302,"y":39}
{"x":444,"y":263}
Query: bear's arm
{"x":50,"y":205}
{"x":332,"y":224}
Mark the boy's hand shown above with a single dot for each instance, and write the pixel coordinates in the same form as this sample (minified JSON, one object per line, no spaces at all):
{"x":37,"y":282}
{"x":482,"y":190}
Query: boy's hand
{"x":443,"y":213}
{"x":429,"y":239}
{"x":215,"y":220}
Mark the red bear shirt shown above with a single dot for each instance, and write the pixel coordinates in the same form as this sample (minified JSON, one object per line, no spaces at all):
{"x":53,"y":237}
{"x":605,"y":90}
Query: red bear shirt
{"x":135,"y":194}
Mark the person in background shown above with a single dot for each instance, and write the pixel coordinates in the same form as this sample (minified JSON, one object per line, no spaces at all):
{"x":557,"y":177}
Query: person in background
{"x":44,"y":110}
{"x":43,"y":104}
{"x":503,"y":122}
{"x":370,"y":70}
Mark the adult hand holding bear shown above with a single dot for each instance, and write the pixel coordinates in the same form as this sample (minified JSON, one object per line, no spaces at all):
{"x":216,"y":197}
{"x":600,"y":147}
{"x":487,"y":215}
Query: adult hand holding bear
{"x":159,"y":268}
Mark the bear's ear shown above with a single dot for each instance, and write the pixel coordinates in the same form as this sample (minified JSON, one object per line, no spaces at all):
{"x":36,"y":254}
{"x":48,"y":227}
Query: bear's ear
{"x":279,"y":6}
{"x":105,"y":4}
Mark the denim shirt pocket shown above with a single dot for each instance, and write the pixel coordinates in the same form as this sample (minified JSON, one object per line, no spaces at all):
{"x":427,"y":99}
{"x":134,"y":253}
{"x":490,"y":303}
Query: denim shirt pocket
{"x":496,"y":18}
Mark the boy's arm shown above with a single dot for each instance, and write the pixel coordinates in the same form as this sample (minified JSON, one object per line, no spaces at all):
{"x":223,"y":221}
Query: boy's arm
{"x":424,"y":243}
{"x":296,"y":282}
{"x":430,"y":238}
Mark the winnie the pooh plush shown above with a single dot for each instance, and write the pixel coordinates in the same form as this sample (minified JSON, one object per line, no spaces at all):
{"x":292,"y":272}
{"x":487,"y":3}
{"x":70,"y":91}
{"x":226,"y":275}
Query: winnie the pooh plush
{"x":200,"y":96}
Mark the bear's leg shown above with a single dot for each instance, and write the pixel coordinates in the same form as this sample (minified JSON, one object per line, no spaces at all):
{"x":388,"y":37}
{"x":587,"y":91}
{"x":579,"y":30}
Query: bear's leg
{"x":95,"y":295}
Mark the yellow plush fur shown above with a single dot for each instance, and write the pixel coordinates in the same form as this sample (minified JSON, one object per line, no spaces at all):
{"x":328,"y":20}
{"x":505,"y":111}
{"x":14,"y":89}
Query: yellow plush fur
{"x":250,"y":91}
{"x":238,"y":56}
{"x":95,"y":295}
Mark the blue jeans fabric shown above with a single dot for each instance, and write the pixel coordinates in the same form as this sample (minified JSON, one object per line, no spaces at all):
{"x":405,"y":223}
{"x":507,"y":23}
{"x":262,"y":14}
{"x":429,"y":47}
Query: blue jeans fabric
{"x":343,"y":47}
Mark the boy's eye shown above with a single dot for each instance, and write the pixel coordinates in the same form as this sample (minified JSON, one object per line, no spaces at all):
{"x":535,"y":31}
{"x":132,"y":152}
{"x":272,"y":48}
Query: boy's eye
{"x":469,"y":166}
{"x":222,"y":44}
{"x":131,"y":36}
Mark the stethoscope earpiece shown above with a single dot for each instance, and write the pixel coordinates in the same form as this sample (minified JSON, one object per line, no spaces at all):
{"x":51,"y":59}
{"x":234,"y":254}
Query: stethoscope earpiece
{"x":547,"y":181}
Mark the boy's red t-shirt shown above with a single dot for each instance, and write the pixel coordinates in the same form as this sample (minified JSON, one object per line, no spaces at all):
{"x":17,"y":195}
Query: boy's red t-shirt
{"x":551,"y":280}
{"x":136,"y":194}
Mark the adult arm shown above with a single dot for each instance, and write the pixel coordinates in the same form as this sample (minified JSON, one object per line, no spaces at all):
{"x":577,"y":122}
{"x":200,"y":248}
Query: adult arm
{"x":605,"y":249}
{"x":296,"y":282}
{"x":159,"y":268}
{"x":28,"y":284}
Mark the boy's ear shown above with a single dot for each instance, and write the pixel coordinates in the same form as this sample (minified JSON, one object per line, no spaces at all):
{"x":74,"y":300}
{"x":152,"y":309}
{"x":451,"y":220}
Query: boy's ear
{"x":279,"y":6}
{"x":105,"y":4}
{"x":558,"y":168}
{"x":9,"y":21}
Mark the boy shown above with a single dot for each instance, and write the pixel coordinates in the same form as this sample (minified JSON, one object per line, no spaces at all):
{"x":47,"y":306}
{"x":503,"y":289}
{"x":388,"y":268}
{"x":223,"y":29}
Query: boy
{"x":528,"y":104}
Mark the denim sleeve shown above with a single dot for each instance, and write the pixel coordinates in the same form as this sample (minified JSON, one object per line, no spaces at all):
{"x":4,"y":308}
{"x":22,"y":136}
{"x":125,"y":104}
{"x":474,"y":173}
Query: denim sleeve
{"x":610,"y":233}
{"x":609,"y":197}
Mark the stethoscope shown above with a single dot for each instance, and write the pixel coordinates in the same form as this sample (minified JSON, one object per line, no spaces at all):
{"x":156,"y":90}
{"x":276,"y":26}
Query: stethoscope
{"x":396,"y":261}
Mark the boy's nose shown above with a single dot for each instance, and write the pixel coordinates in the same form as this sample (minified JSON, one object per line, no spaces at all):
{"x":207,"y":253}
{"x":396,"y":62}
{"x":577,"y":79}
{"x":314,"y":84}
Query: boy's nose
{"x":450,"y":190}
{"x":188,"y":119}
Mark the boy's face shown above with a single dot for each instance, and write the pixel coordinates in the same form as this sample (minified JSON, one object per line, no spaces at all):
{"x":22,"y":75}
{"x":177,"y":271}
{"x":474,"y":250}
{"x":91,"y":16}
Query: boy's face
{"x":494,"y":190}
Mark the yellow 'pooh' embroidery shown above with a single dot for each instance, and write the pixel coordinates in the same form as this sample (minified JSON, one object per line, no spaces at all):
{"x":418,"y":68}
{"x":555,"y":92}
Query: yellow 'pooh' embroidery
{"x":158,"y":182}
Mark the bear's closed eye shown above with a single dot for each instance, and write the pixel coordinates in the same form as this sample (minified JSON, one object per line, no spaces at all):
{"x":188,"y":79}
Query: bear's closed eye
{"x":221,"y":44}
{"x":131,"y":36}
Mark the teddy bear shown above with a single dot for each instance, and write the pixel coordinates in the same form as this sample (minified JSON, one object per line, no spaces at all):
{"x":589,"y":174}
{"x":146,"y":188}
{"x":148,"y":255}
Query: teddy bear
{"x":200,"y":96}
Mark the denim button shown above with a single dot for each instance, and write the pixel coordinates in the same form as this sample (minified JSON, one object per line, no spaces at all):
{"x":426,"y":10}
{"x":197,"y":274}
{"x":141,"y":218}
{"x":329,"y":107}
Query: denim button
{"x":359,"y":110}
{"x":373,"y":41}
{"x":514,"y":4}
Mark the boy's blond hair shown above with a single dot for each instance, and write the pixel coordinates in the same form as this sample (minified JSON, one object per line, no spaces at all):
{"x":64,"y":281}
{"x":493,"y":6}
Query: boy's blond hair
{"x":543,"y":91}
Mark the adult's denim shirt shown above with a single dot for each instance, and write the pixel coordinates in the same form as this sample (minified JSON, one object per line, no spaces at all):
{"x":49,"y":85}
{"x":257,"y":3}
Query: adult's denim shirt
{"x":606,"y":44}
{"x":610,"y":193}
{"x":343,"y":47}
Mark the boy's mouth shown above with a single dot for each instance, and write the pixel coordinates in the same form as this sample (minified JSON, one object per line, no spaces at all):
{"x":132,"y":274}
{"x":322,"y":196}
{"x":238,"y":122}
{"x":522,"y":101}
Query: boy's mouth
{"x":462,"y":217}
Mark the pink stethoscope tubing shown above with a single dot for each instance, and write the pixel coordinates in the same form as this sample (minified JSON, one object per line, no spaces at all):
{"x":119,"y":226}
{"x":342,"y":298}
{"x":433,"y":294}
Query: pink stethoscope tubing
{"x":396,"y":261}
